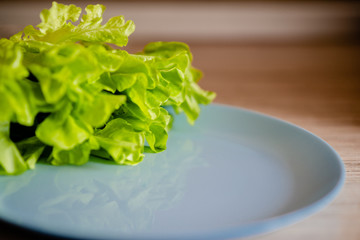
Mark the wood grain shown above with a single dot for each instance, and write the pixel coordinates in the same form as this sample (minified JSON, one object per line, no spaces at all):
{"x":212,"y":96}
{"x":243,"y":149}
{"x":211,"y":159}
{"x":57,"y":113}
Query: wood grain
{"x":313,"y":86}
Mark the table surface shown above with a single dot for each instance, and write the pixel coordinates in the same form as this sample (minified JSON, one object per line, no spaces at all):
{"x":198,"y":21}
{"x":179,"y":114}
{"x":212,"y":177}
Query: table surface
{"x":315,"y":86}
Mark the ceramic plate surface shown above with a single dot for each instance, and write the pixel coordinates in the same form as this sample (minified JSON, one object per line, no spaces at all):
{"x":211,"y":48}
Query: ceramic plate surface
{"x":235,"y":173}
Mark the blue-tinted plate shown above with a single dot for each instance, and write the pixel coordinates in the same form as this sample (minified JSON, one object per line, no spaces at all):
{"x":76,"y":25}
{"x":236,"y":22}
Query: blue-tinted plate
{"x":235,"y":173}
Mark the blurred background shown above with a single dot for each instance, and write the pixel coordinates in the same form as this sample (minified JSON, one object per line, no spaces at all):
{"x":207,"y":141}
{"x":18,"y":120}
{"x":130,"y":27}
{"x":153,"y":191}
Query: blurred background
{"x":263,"y":55}
{"x":295,"y":60}
{"x":284,"y":58}
{"x":213,"y":21}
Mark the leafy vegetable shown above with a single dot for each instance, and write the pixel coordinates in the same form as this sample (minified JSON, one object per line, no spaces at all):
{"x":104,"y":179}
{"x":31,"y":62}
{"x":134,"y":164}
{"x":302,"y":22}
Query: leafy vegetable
{"x":65,"y":93}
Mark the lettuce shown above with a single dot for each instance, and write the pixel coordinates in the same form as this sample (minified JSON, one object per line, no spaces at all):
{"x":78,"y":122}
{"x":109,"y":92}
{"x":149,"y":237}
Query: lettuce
{"x":66,"y":93}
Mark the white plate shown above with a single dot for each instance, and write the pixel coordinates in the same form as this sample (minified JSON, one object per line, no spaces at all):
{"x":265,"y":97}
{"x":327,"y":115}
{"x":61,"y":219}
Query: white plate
{"x":235,"y":173}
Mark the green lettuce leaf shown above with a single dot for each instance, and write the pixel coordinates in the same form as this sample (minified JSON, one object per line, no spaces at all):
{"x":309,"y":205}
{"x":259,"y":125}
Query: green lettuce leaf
{"x":31,"y":150}
{"x":11,"y":161}
{"x":65,"y":93}
{"x":122,"y":143}
{"x":66,"y":131}
{"x":77,"y":155}
{"x":173,"y":59}
{"x":56,"y":26}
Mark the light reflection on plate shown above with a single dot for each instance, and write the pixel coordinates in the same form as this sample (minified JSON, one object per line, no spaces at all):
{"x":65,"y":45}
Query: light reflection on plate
{"x":235,"y":173}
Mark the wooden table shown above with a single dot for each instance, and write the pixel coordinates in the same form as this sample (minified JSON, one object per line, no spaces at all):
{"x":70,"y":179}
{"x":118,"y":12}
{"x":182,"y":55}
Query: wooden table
{"x":315,"y":86}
